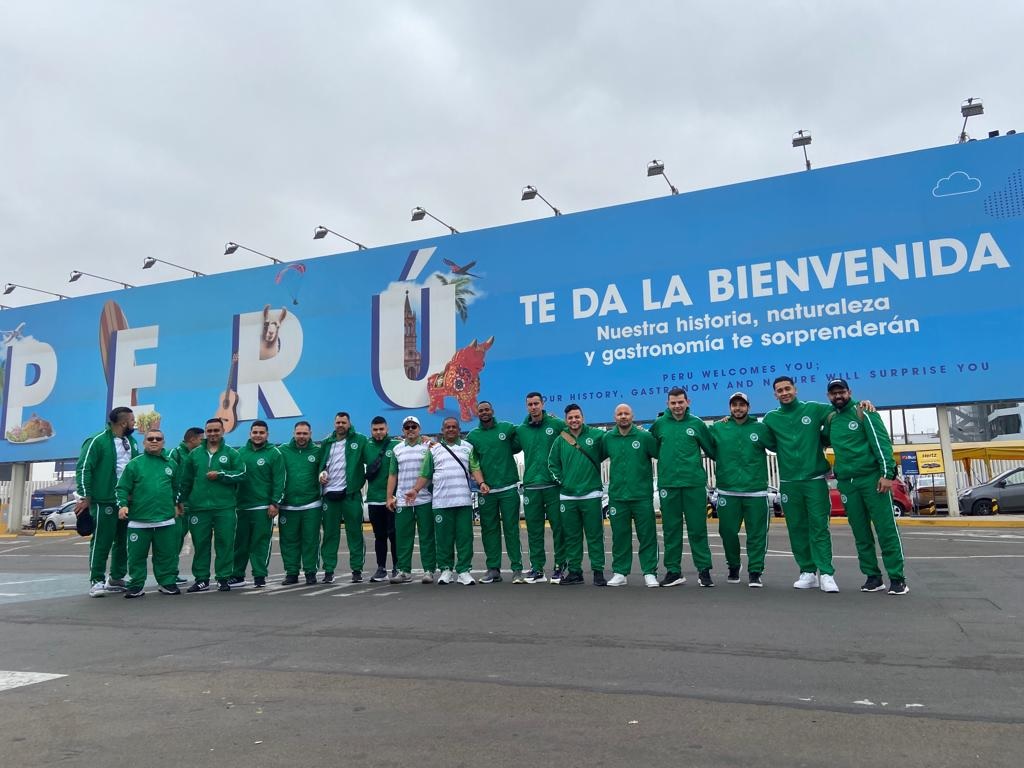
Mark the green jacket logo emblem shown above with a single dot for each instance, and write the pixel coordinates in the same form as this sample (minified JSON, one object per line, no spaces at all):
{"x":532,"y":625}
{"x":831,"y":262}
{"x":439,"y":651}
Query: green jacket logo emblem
{"x":690,"y":432}
{"x":853,"y":425}
{"x":194,"y":520}
{"x":636,"y":445}
{"x":311,"y":458}
{"x":611,"y":511}
{"x":223,"y":459}
{"x":753,"y":437}
{"x":501,"y":436}
{"x":260,"y":462}
{"x":549,"y":431}
{"x":133,"y":537}
{"x":438,"y":519}
{"x":805,"y":420}
{"x":168,"y":471}
{"x":589,"y":441}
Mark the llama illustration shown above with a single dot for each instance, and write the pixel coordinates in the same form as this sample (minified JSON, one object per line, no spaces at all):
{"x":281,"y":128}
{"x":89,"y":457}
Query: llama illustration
{"x":459,"y":379}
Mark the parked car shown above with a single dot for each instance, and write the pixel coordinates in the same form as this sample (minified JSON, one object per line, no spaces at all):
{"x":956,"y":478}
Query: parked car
{"x":59,"y":518}
{"x":773,"y":497}
{"x":931,"y":490}
{"x":1003,"y":493}
{"x":901,"y":503}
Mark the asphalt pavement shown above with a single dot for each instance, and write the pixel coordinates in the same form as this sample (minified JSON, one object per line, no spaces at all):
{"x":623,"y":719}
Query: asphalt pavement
{"x":502,"y":674}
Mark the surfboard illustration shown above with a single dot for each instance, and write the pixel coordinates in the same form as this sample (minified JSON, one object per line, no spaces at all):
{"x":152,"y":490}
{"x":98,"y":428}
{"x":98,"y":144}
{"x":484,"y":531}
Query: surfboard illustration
{"x":112,"y":319}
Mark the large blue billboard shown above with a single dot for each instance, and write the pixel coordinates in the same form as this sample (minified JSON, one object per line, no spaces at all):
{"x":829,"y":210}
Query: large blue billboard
{"x":901,"y":274}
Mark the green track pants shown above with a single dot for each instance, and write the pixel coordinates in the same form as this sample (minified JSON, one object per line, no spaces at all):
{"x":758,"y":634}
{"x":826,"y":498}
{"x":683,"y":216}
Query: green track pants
{"x":253,"y":532}
{"x":350,"y":512}
{"x":109,"y":539}
{"x":807,"y":509}
{"x":499,"y":512}
{"x":407,"y":521}
{"x":164,"y":542}
{"x":216,"y":528}
{"x":538,"y":504}
{"x":579,"y":517}
{"x":691,"y":505}
{"x":624,"y":514}
{"x":867,"y":508}
{"x":754,"y":513}
{"x":453,"y":529}
{"x":299,"y":530}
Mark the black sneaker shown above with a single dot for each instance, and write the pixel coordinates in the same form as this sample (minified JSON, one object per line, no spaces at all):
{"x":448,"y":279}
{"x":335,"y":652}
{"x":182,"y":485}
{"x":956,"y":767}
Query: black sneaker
{"x":493,"y":576}
{"x":380,"y":574}
{"x":898,"y":587}
{"x":357,"y":577}
{"x":572,"y":577}
{"x":310,"y":579}
{"x":237,"y":581}
{"x":704,"y":578}
{"x":599,"y":579}
{"x":259,"y":582}
{"x":223,"y":586}
{"x":328,"y":577}
{"x":734,"y":574}
{"x":199,"y":586}
{"x":672,"y":579}
{"x":135,"y":592}
{"x":556,"y":576}
{"x":181,"y":580}
{"x":290,"y":580}
{"x":873,"y":584}
{"x":534,"y":576}
{"x":169,"y":589}
{"x":755,"y":581}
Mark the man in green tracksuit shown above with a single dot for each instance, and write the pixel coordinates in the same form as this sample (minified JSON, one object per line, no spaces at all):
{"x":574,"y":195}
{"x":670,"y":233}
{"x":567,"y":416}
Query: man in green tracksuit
{"x":301,"y":512}
{"x":259,"y":498}
{"x":343,"y":460}
{"x":146,"y":495}
{"x":209,"y":480}
{"x":536,"y":435}
{"x":865,"y":470}
{"x":796,"y":428}
{"x":450,"y":464}
{"x":495,"y":445}
{"x":741,"y":473}
{"x":193,"y":436}
{"x":682,"y":486}
{"x":575,"y":463}
{"x":406,"y":462}
{"x":101,"y":462}
{"x":379,"y":451}
{"x":630,"y":450}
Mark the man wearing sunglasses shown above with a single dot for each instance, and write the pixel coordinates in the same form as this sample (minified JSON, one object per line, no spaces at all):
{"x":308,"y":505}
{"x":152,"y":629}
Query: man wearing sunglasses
{"x":406,"y":462}
{"x":100,"y":464}
{"x":145,"y":499}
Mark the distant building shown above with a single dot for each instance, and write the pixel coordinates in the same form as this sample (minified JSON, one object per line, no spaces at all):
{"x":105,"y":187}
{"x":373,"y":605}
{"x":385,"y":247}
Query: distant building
{"x":413,"y":359}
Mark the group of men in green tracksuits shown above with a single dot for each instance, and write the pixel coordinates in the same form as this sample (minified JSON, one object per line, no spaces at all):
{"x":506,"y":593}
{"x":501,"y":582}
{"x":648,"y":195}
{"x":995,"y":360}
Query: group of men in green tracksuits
{"x":229,"y":498}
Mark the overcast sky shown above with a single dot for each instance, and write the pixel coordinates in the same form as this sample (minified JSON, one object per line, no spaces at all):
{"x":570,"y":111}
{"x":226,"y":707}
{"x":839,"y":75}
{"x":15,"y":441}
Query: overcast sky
{"x":134,"y":129}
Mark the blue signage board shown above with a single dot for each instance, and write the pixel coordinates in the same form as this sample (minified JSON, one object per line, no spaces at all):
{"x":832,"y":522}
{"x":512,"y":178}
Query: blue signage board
{"x":902,"y":275}
{"x":908,"y":463}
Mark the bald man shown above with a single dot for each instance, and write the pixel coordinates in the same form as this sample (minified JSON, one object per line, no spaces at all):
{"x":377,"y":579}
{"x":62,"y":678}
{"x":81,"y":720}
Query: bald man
{"x":630,"y":501}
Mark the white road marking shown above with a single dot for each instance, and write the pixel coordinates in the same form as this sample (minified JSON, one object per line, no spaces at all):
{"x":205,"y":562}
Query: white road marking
{"x":23,"y":546}
{"x":865,"y":702}
{"x":28,"y":581}
{"x":10,"y":680}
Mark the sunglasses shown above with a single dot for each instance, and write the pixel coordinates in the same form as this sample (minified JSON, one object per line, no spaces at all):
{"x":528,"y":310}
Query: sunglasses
{"x":154,"y":439}
{"x":410,"y":426}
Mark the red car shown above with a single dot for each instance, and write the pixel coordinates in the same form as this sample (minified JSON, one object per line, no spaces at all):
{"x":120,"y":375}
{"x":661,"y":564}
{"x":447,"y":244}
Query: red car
{"x":901,"y":503}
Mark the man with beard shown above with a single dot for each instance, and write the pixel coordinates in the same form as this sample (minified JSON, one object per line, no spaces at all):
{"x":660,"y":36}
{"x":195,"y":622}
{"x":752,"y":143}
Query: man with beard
{"x":343,"y":459}
{"x":258,"y":500}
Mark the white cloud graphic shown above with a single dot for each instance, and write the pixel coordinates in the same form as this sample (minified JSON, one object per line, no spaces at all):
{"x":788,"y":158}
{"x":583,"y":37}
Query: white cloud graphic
{"x":957,"y":183}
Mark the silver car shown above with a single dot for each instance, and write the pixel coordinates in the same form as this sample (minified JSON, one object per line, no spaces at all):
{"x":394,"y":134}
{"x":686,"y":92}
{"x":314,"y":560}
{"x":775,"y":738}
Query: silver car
{"x":1003,"y":493}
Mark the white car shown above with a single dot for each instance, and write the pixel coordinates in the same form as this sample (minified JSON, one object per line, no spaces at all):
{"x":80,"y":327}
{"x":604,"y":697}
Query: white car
{"x":60,"y":518}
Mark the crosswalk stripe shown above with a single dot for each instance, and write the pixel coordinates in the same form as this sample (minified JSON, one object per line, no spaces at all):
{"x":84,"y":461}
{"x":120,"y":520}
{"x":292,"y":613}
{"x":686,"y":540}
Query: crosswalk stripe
{"x":9,"y":680}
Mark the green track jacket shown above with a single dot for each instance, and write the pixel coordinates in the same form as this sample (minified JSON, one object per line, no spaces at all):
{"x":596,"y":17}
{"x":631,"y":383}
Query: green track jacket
{"x":570,"y":466}
{"x":377,"y":489}
{"x":356,"y":458}
{"x":96,"y":472}
{"x":496,"y":448}
{"x":203,"y":494}
{"x":632,"y":477}
{"x":680,"y":441}
{"x":740,"y":463}
{"x":264,"y":476}
{"x":148,"y":487}
{"x":302,"y":467}
{"x":536,"y":440}
{"x":861,"y":444}
{"x":796,"y":428}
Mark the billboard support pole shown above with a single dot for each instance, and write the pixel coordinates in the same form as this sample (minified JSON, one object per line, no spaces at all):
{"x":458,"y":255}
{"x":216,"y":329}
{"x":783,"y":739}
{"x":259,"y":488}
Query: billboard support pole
{"x":16,"y":510}
{"x":952,"y":501}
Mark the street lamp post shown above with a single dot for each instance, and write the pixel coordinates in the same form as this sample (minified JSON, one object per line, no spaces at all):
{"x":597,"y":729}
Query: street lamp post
{"x":149,"y":261}
{"x":419,"y":213}
{"x":9,"y":289}
{"x":321,"y":232}
{"x":969,"y":108}
{"x":231,"y":247}
{"x":530,"y":192}
{"x":801,"y":139}
{"x":76,"y":274}
{"x":657,"y":168}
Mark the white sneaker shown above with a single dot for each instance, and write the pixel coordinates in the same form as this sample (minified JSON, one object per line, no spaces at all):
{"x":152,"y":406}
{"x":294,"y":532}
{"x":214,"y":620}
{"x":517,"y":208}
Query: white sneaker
{"x":806,"y":581}
{"x":617,"y":580}
{"x":465,"y":579}
{"x":98,"y":589}
{"x":828,"y":583}
{"x":650,"y":580}
{"x":428,"y":577}
{"x":445,"y":577}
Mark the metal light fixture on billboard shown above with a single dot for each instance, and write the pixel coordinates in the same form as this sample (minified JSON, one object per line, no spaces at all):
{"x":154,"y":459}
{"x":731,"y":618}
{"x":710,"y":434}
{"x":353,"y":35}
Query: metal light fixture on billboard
{"x":801,"y":139}
{"x":231,"y":247}
{"x":971,"y":107}
{"x":76,"y":274}
{"x":418,"y":214}
{"x":530,"y":192}
{"x":9,"y":289}
{"x":657,"y":168}
{"x":321,"y":232}
{"x":149,"y":261}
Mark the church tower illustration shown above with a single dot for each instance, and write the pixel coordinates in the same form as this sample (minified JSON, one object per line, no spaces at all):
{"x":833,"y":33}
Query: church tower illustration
{"x":412,"y":353}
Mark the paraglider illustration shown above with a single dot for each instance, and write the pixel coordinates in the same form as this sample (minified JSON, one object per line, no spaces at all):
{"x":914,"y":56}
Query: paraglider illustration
{"x":290,"y":278}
